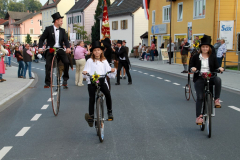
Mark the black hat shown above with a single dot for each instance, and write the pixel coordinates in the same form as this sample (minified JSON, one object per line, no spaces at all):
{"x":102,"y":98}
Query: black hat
{"x":206,"y":40}
{"x":97,"y":44}
{"x":119,"y":41}
{"x":56,"y":16}
{"x":106,"y":42}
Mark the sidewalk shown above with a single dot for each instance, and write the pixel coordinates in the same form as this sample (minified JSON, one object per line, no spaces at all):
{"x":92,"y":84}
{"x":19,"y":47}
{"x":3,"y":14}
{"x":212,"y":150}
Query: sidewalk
{"x":230,"y":79}
{"x":14,"y":85}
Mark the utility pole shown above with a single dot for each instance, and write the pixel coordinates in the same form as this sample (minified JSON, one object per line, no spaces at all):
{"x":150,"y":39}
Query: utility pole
{"x":170,"y":39}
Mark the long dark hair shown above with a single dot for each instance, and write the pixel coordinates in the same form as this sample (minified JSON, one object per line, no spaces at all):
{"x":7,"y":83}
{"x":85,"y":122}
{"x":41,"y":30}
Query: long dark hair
{"x":102,"y":58}
{"x":209,"y":52}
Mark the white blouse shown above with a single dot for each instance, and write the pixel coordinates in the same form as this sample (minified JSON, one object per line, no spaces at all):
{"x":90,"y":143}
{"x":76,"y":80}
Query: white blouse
{"x":99,"y":67}
{"x":205,"y":64}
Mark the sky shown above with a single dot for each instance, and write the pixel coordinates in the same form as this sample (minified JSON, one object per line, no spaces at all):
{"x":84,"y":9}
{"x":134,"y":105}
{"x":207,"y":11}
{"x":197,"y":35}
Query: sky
{"x":43,"y":1}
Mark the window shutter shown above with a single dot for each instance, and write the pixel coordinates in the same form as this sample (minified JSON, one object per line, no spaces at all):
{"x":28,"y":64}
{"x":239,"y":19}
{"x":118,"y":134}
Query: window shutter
{"x":126,"y":24}
{"x":113,"y":25}
{"x":121,"y":24}
{"x":116,"y":25}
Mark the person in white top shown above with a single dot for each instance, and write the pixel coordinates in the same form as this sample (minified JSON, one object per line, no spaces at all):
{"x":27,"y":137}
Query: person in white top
{"x":205,"y":62}
{"x":170,"y":54}
{"x":99,"y":65}
{"x":139,"y":50}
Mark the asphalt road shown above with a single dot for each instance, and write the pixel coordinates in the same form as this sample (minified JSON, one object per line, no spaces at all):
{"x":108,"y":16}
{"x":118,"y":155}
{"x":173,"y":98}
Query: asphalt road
{"x":152,"y":120}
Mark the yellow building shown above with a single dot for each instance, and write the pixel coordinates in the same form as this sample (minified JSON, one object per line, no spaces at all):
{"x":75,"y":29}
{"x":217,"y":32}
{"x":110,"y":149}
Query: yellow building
{"x":191,"y":18}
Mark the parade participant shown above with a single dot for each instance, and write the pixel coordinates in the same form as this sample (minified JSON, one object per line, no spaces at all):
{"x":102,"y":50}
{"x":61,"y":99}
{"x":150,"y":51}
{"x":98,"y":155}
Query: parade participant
{"x":124,"y":70}
{"x":184,"y":52}
{"x":121,"y":54}
{"x":205,"y":61}
{"x":27,"y":58}
{"x":99,"y":65}
{"x":79,"y":56}
{"x":19,"y":57}
{"x":55,"y":36}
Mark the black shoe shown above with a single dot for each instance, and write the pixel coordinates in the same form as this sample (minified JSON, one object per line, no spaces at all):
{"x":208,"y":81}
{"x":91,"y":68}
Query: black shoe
{"x":129,"y":83}
{"x":124,"y":77}
{"x":120,"y":77}
{"x":117,"y":83}
{"x":65,"y":87}
{"x":182,"y":72}
{"x":110,"y":116}
{"x":89,"y":119}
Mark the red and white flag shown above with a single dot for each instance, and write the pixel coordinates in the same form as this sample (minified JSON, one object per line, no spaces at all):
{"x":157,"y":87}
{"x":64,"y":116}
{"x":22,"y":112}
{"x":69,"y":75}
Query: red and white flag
{"x":145,"y":5}
{"x":105,"y":22}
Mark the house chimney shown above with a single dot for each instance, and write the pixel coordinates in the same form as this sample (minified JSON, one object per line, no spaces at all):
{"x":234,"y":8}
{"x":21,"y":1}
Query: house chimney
{"x":27,"y":11}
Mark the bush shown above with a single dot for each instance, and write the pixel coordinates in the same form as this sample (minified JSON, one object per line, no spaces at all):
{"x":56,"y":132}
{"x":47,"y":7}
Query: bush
{"x":87,"y":42}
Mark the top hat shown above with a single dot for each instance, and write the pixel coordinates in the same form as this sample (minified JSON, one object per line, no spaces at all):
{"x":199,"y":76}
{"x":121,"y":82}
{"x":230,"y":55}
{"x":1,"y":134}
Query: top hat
{"x":119,"y":42}
{"x":97,"y":44}
{"x":106,"y":42}
{"x":206,"y":40}
{"x":56,"y":16}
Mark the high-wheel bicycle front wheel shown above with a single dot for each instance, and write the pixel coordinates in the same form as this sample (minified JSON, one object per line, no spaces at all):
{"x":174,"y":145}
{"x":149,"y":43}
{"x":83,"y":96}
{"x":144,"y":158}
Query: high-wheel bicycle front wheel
{"x":209,"y":114}
{"x":55,"y":86}
{"x":187,"y":91}
{"x":100,"y":119}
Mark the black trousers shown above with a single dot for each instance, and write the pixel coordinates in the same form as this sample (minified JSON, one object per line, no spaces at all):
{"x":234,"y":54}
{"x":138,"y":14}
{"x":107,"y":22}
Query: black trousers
{"x":92,"y":92}
{"x":200,"y":86}
{"x":126,"y":66}
{"x":61,"y":56}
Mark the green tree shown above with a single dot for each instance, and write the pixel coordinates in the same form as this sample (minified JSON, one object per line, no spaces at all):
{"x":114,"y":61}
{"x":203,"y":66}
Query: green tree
{"x":16,"y":6}
{"x":3,"y":8}
{"x":80,"y":30}
{"x":96,"y":26}
{"x":28,"y":39}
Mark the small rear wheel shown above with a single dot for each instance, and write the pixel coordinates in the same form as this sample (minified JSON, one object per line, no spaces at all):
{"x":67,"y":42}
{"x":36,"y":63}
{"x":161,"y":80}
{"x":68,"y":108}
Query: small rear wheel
{"x":55,"y":86}
{"x":100,"y":122}
{"x":187,"y":91}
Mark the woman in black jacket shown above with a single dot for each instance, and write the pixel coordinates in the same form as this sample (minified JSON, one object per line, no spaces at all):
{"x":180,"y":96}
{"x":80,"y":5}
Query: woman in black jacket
{"x":205,"y":61}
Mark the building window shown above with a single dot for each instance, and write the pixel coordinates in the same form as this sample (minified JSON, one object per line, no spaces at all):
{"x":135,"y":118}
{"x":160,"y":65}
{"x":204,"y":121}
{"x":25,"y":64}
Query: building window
{"x":78,"y":36}
{"x":69,"y":20}
{"x":31,"y":31}
{"x":72,"y":20}
{"x":40,"y":22}
{"x":124,"y":24}
{"x":199,"y":9}
{"x":80,"y":19}
{"x":179,"y":38}
{"x":18,"y":30}
{"x":115,"y":25}
{"x":153,"y":17}
{"x":180,"y":11}
{"x":166,"y":14}
{"x":31,"y":21}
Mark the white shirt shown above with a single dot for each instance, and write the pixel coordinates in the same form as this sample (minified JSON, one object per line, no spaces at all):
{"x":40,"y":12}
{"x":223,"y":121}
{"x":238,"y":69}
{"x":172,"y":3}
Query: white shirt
{"x":139,"y":48}
{"x":172,"y":47}
{"x":56,"y":32}
{"x":222,"y":49}
{"x":99,"y":67}
{"x":204,"y":65}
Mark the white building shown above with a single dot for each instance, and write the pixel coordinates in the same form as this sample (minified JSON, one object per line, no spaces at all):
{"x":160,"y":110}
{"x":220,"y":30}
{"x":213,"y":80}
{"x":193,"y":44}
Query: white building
{"x":53,"y":6}
{"x":127,"y":21}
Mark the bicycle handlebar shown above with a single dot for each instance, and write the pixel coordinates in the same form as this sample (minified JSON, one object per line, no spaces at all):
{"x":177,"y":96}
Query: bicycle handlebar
{"x":99,"y":75}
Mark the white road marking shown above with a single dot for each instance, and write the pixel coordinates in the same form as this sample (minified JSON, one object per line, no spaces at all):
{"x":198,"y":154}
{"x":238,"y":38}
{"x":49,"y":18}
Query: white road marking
{"x":35,"y":118}
{"x":184,"y":87}
{"x":22,"y":131}
{"x":140,"y":71}
{"x":134,"y":70}
{"x":50,"y":99}
{"x":159,"y":77}
{"x":235,"y":108}
{"x":42,"y":69}
{"x":145,"y":73}
{"x":4,"y":151}
{"x":167,"y":80}
{"x":55,"y":93}
{"x":220,"y":101}
{"x":176,"y":84}
{"x":37,"y":68}
{"x":45,"y":106}
{"x":152,"y":75}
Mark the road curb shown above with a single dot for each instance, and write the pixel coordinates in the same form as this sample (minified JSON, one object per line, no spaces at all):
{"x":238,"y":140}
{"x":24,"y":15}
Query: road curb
{"x":224,"y":86}
{"x":18,"y":92}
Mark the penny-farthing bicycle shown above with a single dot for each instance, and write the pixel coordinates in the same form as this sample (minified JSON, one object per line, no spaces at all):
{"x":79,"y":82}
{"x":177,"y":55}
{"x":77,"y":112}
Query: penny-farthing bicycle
{"x":55,"y":84}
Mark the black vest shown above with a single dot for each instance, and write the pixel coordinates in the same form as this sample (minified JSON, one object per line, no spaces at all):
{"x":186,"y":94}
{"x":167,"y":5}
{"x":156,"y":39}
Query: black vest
{"x":26,"y":56}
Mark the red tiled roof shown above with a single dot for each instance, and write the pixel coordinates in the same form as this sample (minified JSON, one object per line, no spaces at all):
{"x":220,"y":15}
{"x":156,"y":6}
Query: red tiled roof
{"x":46,"y":5}
{"x":2,"y":21}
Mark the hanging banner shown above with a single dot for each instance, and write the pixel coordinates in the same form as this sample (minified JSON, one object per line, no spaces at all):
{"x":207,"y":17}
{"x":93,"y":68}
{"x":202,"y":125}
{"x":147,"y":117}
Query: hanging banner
{"x":72,"y":36}
{"x":105,"y":22}
{"x":189,"y":32}
{"x":226,"y":33}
